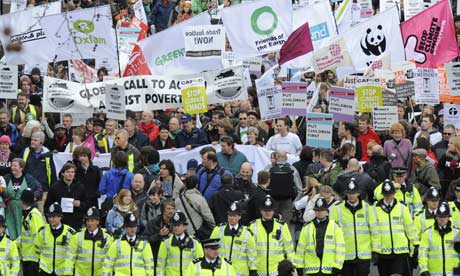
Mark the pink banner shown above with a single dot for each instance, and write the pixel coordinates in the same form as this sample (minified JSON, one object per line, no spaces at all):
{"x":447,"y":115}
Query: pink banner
{"x":429,"y":37}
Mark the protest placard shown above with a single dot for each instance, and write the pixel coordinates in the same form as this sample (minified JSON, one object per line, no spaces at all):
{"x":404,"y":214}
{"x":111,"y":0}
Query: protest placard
{"x":342,"y":103}
{"x":270,"y":101}
{"x":204,"y":41}
{"x":114,"y":100}
{"x":452,"y":114}
{"x":384,"y":117}
{"x":294,"y":98}
{"x":319,"y":130}
{"x":426,"y":86}
{"x":369,"y":94}
{"x":445,"y":94}
{"x":453,"y":77}
{"x":194,"y":97}
{"x":8,"y":82}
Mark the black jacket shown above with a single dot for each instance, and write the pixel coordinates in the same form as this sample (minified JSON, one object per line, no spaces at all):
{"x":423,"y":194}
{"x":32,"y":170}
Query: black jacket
{"x":90,"y":179}
{"x":256,"y":200}
{"x":139,"y":140}
{"x":365,"y":183}
{"x":76,"y":191}
{"x":220,"y":202}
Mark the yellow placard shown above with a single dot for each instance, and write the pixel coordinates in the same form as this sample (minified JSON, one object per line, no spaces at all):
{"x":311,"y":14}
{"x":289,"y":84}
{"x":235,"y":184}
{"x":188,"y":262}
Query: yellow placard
{"x":369,"y":96}
{"x":194,"y":98}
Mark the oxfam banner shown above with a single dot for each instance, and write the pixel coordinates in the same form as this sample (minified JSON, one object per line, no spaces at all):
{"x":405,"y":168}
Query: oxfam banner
{"x":259,"y":27}
{"x":80,"y":34}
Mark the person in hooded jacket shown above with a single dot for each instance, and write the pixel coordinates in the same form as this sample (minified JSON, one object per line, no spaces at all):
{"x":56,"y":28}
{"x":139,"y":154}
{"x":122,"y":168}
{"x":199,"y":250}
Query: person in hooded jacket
{"x":220,"y":202}
{"x":118,"y":177}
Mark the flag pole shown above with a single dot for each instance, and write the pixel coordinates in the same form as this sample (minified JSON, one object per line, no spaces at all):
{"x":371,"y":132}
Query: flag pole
{"x":118,"y":51}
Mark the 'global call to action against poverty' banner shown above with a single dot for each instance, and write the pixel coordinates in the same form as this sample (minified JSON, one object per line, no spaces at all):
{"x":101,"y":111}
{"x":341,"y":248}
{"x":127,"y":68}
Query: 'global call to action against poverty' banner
{"x":141,"y":92}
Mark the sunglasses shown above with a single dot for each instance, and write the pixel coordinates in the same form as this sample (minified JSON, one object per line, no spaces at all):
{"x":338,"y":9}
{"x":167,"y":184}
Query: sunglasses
{"x":447,"y":133}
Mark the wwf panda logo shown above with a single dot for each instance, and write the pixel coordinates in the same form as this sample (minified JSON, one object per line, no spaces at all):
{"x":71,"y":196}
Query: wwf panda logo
{"x":374,"y":42}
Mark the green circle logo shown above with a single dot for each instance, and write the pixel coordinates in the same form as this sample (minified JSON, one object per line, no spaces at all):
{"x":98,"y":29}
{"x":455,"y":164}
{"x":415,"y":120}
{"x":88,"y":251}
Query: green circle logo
{"x":83,"y":26}
{"x":255,"y":20}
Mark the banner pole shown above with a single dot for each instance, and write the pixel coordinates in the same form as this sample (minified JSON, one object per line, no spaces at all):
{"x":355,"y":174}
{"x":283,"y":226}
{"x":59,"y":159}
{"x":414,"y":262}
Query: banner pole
{"x":118,"y":51}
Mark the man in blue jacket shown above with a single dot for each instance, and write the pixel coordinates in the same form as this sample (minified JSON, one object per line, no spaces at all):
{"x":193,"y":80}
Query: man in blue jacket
{"x":190,"y":137}
{"x":210,"y":175}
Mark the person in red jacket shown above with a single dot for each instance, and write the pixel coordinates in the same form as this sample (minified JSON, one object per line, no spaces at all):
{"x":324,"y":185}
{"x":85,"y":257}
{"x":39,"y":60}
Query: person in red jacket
{"x":148,"y":126}
{"x":366,"y":134}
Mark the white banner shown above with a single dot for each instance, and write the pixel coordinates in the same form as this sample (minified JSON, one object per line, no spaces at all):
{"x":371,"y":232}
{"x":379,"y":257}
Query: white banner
{"x":426,"y":86}
{"x":320,"y":20}
{"x":259,"y":27}
{"x":412,"y":7}
{"x":141,"y":92}
{"x":204,"y":41}
{"x":374,"y":37}
{"x":384,"y":117}
{"x":85,"y":33}
{"x":114,"y":100}
{"x":165,"y":51}
{"x":8,"y":82}
{"x":258,"y":157}
{"x":26,"y":34}
{"x":334,"y":54}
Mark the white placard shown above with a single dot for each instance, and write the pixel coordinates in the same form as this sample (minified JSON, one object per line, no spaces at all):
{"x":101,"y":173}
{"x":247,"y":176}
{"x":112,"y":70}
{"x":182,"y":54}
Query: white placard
{"x":426,"y":86}
{"x":384,"y":117}
{"x":67,"y":205}
{"x":8,"y":82}
{"x":115,"y":102}
{"x":452,"y":114}
{"x":453,"y":77}
{"x":204,"y":41}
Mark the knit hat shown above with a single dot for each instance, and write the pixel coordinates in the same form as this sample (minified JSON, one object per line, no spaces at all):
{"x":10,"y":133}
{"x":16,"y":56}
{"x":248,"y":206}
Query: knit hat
{"x":5,"y":139}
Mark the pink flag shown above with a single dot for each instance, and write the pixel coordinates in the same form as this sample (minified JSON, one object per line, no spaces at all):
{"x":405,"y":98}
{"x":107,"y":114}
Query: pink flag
{"x":429,"y":37}
{"x":298,"y":44}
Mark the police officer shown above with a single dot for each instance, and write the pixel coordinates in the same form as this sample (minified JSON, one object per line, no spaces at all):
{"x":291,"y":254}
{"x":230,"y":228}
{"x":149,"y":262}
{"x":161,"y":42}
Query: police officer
{"x":178,"y":250}
{"x":355,"y":220}
{"x":405,"y":191}
{"x":439,"y":251}
{"x":237,"y":242}
{"x":273,"y":239}
{"x":52,"y":242}
{"x":426,"y":217}
{"x":88,"y":247}
{"x":392,"y":233}
{"x":211,"y":264}
{"x":9,"y":255}
{"x":129,"y":255}
{"x":32,"y":222}
{"x":455,"y":205}
{"x":321,"y":248}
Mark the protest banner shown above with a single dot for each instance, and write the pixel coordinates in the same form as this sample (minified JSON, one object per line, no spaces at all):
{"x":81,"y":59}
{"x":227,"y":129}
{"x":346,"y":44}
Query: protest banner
{"x":429,"y":37}
{"x":387,"y":4}
{"x":453,"y":77}
{"x":445,"y":94}
{"x":412,"y":7}
{"x":319,"y":130}
{"x":8,"y":82}
{"x":426,"y":86}
{"x":26,"y":33}
{"x":204,"y":41}
{"x":83,"y":36}
{"x":320,"y":20}
{"x":368,"y":94}
{"x":452,"y":115}
{"x":332,"y":55}
{"x":294,"y":98}
{"x":351,"y":13}
{"x":139,"y":11}
{"x":194,"y":97}
{"x":127,"y":36}
{"x":141,"y":92}
{"x":270,"y":102}
{"x":342,"y":103}
{"x":374,"y":37}
{"x":166,"y":58}
{"x":259,"y":27}
{"x":384,"y":116}
{"x":294,"y":52}
{"x":404,"y":79}
{"x":382,"y":62}
{"x":79,"y":71}
{"x":114,"y":100}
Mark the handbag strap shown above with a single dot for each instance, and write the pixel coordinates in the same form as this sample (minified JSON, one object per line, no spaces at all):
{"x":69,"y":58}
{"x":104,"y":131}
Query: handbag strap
{"x":120,"y":185}
{"x":186,"y":211}
{"x":404,"y":159}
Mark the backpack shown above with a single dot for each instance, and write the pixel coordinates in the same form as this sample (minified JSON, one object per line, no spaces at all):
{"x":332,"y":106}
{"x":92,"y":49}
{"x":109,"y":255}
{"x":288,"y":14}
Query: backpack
{"x":377,"y":172}
{"x":282,"y":181}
